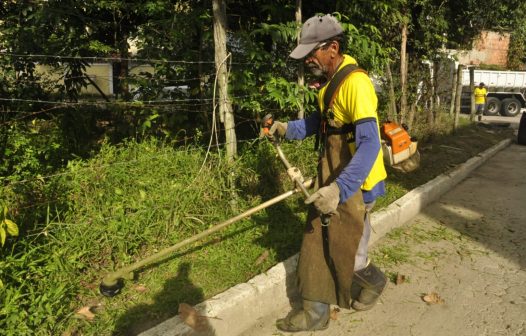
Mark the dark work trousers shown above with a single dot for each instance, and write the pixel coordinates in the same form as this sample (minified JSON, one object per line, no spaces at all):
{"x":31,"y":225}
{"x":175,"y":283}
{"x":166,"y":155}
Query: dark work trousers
{"x":360,"y":261}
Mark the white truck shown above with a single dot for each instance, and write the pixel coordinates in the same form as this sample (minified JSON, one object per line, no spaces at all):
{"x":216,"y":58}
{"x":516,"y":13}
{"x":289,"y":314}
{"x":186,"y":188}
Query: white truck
{"x":506,"y":91}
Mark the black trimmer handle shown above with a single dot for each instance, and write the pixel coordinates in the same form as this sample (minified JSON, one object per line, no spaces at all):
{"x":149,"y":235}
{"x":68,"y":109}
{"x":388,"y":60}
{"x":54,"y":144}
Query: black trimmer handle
{"x":325,"y":219}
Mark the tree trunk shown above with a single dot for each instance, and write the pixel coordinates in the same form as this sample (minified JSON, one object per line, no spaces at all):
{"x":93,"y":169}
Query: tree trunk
{"x":458,"y":95}
{"x":436,"y":97}
{"x":392,"y":97}
{"x":472,"y":92}
{"x":411,"y":115}
{"x":431,"y":108}
{"x":202,"y":80}
{"x":403,"y":74}
{"x":301,"y":68}
{"x":123,"y":75}
{"x":121,"y":41}
{"x":453,"y":92}
{"x":225,"y":107}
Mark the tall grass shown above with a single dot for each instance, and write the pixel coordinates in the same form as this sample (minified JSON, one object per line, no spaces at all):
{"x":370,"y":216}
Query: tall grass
{"x":128,"y":202}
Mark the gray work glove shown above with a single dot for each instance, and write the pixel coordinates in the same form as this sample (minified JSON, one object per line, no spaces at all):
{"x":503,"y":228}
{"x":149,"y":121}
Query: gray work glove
{"x":277,"y":131}
{"x":326,"y":199}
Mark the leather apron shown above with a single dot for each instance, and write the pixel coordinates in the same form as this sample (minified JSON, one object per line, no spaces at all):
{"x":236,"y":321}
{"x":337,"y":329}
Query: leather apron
{"x":326,"y":261}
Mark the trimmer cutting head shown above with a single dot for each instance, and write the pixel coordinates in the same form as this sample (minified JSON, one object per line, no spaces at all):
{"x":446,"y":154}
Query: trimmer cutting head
{"x":111,"y":290}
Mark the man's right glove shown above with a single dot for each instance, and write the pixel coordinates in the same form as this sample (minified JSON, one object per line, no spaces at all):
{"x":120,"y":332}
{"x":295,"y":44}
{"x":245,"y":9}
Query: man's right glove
{"x":326,"y":199}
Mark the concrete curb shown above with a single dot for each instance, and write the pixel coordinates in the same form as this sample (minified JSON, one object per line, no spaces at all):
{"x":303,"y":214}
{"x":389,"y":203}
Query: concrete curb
{"x":238,"y":308}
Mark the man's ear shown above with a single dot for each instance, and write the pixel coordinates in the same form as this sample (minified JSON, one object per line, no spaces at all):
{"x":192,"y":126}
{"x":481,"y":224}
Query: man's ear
{"x":334,"y":48}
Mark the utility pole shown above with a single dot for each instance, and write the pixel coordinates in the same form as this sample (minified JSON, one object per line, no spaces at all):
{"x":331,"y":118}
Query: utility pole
{"x":472,"y":92}
{"x":457,"y":96}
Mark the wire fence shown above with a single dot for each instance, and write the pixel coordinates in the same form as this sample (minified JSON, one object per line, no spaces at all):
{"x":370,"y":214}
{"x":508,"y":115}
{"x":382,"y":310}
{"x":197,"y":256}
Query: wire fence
{"x":108,"y":59}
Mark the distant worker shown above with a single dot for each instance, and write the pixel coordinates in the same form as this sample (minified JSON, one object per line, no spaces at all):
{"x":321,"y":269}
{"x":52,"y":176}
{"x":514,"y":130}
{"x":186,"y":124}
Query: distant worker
{"x":480,"y":100}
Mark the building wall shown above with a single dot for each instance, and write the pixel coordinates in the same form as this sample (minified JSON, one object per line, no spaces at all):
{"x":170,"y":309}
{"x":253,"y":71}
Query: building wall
{"x":490,"y":48}
{"x":100,"y":73}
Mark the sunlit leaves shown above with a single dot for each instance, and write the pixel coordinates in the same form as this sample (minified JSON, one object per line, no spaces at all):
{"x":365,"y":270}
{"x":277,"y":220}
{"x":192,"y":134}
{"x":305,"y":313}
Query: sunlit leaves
{"x":7,"y":226}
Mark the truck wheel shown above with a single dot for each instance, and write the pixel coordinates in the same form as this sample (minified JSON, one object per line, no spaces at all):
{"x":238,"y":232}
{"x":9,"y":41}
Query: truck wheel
{"x":493,"y":105}
{"x":510,"y":107}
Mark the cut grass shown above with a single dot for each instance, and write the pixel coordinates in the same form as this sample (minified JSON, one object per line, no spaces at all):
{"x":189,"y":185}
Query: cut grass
{"x":131,"y":201}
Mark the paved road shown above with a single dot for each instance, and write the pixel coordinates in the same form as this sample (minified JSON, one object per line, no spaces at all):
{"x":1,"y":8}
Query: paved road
{"x":469,"y":248}
{"x":514,"y":121}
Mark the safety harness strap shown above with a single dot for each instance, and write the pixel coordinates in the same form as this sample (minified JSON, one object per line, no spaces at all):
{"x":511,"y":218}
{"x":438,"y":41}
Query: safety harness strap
{"x":328,"y":99}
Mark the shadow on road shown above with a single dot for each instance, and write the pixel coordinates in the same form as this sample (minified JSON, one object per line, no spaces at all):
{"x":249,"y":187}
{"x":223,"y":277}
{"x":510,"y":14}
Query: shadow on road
{"x":176,"y":290}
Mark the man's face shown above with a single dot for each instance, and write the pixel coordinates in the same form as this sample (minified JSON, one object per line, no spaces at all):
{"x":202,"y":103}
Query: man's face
{"x":317,"y":61}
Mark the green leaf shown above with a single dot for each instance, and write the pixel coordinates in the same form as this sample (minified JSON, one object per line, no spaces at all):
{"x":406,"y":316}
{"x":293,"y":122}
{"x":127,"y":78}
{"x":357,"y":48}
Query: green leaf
{"x":12,"y":228}
{"x":3,"y":235}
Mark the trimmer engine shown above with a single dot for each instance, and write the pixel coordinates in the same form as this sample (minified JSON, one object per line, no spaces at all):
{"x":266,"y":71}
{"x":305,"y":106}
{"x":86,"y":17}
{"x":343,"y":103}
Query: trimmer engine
{"x":397,"y":145}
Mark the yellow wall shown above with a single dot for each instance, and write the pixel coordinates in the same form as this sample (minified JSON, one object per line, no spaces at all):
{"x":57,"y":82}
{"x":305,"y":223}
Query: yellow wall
{"x":100,"y":73}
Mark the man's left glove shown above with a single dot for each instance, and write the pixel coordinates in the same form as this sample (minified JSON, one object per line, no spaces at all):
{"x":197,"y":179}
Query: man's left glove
{"x":277,"y":131}
{"x":326,"y":199}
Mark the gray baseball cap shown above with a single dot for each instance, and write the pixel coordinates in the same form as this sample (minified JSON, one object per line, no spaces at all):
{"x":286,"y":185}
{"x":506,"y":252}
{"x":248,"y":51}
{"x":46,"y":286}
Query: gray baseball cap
{"x":315,"y":30}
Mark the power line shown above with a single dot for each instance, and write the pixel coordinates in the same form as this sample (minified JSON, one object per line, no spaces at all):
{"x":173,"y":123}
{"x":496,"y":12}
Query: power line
{"x":131,"y":103}
{"x":110,"y":59}
{"x":130,"y":76}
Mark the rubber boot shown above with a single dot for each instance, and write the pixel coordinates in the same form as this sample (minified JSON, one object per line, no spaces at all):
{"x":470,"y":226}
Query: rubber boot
{"x":313,"y":316}
{"x":372,"y":281}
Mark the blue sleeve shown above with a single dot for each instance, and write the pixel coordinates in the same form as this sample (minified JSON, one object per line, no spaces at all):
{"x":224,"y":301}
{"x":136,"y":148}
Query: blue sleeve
{"x":302,"y":128}
{"x":367,"y":147}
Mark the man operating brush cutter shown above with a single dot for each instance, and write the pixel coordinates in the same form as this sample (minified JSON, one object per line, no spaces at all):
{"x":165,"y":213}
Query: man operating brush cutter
{"x":350,"y":177}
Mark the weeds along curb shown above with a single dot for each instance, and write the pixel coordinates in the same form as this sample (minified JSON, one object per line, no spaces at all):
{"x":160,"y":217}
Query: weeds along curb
{"x":239,"y":308}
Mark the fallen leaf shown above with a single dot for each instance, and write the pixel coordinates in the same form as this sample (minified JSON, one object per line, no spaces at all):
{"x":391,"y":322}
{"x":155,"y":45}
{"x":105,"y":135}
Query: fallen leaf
{"x":86,"y":313}
{"x":432,"y":298}
{"x":140,"y":288}
{"x":262,"y":257}
{"x":191,"y":317}
{"x":89,"y":285}
{"x":400,"y":279}
{"x":69,"y":332}
{"x":334,"y":313}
